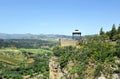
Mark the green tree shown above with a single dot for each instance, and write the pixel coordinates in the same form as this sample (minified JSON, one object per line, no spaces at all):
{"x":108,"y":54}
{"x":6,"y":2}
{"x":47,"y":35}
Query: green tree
{"x":116,"y":37}
{"x":1,"y":66}
{"x":118,"y":30}
{"x":101,"y":31}
{"x":113,"y":32}
{"x":108,"y":33}
{"x":98,"y":70}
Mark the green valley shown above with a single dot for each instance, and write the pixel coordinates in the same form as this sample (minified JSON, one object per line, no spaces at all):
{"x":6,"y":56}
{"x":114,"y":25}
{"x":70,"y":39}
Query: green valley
{"x":92,"y":57}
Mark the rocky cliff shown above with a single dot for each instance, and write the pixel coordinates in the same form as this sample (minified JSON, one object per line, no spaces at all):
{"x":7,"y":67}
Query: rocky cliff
{"x":55,"y":71}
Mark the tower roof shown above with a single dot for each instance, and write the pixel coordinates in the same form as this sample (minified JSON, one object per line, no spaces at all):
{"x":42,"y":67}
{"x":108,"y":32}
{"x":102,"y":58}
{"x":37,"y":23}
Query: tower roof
{"x":76,"y":32}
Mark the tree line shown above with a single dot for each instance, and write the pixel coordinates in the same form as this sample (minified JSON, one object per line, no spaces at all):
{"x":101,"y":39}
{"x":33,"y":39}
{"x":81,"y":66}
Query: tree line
{"x":113,"y":34}
{"x":25,"y":43}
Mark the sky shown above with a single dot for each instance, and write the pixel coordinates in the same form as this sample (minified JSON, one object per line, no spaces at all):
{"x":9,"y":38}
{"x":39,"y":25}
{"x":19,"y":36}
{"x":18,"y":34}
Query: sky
{"x":58,"y":16}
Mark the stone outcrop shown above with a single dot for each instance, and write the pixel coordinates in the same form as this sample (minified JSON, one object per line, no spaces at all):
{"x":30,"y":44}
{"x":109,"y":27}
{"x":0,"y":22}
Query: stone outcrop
{"x":54,"y":68}
{"x":55,"y":71}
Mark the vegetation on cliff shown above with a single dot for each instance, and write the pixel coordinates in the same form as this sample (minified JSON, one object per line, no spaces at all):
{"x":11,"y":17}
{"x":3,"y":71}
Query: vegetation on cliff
{"x":94,"y":56}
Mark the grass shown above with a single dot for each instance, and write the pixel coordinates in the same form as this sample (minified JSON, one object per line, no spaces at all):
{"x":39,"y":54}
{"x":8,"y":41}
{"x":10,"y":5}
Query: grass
{"x":11,"y":56}
{"x":15,"y":56}
{"x":35,"y":51}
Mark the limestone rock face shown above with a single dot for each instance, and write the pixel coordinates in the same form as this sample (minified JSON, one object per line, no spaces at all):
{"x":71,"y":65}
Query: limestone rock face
{"x":55,"y":71}
{"x":116,"y":76}
{"x":102,"y":77}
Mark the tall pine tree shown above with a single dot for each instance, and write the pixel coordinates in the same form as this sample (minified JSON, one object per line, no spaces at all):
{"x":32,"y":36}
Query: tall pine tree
{"x":113,"y":32}
{"x":101,"y":31}
{"x":118,"y":30}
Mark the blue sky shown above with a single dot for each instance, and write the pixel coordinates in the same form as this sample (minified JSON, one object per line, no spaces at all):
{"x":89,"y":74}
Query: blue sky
{"x":58,"y":16}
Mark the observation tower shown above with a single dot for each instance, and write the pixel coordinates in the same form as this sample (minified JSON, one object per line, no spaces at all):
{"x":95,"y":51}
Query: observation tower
{"x":76,"y":35}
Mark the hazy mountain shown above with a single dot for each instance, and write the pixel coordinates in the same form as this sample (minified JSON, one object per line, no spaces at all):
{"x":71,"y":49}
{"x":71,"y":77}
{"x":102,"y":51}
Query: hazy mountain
{"x":32,"y":36}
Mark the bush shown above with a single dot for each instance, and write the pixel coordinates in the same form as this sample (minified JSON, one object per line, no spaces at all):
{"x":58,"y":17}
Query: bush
{"x":98,"y":70}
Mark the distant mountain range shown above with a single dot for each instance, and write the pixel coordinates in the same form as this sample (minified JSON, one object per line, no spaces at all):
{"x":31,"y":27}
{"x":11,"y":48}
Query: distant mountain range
{"x":32,"y":36}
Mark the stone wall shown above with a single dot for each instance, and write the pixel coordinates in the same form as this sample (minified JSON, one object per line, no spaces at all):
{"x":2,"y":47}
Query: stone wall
{"x":68,"y":42}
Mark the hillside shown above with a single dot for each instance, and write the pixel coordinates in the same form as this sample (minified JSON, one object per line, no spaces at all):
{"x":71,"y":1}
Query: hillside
{"x":13,"y":57}
{"x":27,"y":43}
{"x":93,"y":59}
{"x":32,"y":36}
{"x":24,"y":63}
